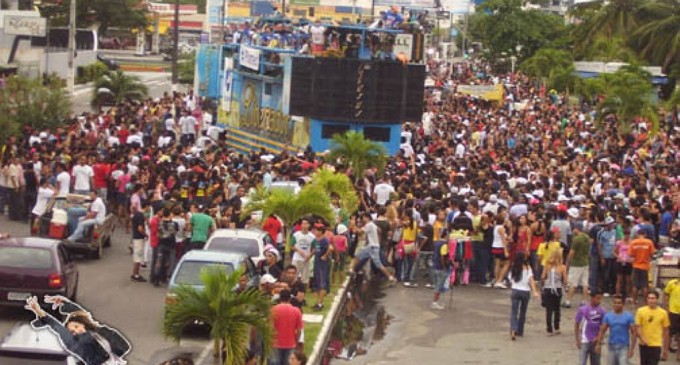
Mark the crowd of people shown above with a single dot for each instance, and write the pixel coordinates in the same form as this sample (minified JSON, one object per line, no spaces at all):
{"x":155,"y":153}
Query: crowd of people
{"x":531,"y":193}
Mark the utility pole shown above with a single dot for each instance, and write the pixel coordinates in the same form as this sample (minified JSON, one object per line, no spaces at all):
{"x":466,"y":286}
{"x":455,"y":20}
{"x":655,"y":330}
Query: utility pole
{"x":70,"y":79}
{"x":175,"y":47}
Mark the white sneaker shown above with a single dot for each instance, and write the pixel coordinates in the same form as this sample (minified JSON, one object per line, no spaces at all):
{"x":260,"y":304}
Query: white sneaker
{"x":429,"y":286}
{"x":606,"y":295}
{"x":500,"y":286}
{"x":437,"y":306}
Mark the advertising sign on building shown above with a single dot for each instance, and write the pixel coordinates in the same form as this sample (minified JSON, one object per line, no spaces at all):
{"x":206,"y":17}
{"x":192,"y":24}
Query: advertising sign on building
{"x":227,"y":83}
{"x":25,"y":25}
{"x":249,"y":57}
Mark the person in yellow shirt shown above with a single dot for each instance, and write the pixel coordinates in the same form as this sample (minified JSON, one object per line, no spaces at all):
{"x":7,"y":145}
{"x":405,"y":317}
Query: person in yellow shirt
{"x":547,"y":247}
{"x":651,"y":322}
{"x":672,"y":300}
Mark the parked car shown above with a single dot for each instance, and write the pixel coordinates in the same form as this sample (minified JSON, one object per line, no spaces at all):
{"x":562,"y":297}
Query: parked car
{"x":35,"y":266}
{"x":250,"y":242}
{"x":27,"y":346}
{"x":188,"y":269}
{"x":75,"y":206}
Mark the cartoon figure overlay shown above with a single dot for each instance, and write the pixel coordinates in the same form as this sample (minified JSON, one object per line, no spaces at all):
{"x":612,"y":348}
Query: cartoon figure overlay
{"x":84,"y":338}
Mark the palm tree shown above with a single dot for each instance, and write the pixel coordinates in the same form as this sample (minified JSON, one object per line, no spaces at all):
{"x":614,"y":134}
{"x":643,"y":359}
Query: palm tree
{"x":658,"y":38}
{"x":116,"y":87}
{"x":337,"y":184}
{"x":290,"y":207}
{"x":357,"y":152}
{"x":547,"y":63}
{"x":609,"y":50}
{"x":627,"y":96}
{"x":605,"y":18}
{"x":231,"y":315}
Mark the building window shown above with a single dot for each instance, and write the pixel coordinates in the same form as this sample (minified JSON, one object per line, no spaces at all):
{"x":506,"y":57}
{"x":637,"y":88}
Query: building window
{"x":329,"y":130}
{"x":378,"y":134}
{"x":268,"y":89}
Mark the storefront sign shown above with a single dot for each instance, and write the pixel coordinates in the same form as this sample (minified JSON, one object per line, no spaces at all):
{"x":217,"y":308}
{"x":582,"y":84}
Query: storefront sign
{"x":265,"y":122}
{"x":25,"y":25}
{"x":249,"y":57}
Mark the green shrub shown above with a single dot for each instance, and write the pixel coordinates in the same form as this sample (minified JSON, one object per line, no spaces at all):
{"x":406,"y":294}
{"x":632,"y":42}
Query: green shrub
{"x":90,"y":72}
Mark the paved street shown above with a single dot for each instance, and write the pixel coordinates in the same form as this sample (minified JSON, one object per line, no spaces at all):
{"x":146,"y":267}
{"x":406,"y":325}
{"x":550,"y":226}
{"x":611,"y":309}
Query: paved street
{"x":157,"y":82}
{"x":136,"y":309}
{"x":475,"y":331}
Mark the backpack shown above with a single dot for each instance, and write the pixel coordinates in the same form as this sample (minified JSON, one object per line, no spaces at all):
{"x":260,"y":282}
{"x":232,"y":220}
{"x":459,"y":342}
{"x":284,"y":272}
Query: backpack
{"x":166,"y":232}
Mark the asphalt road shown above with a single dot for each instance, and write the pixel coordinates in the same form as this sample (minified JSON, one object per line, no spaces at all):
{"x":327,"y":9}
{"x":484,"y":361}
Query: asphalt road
{"x":136,"y":309}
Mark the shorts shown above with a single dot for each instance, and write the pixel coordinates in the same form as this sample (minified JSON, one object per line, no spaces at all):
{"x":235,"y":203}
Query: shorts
{"x":664,"y":241}
{"x":625,"y":269}
{"x":122,"y":198}
{"x":498,"y":253}
{"x":578,"y":276}
{"x":373,"y":253}
{"x":138,"y":251}
{"x":640,"y":279}
{"x":440,"y":281}
{"x":675,"y":323}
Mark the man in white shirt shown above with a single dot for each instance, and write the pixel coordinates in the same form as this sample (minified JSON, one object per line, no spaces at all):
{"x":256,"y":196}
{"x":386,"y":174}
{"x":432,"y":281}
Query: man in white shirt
{"x":135,"y":137}
{"x":382,"y":191}
{"x":187,"y":125}
{"x":63,"y":180}
{"x":302,"y":250}
{"x":83,"y":175}
{"x":372,"y":249}
{"x":95,"y":216}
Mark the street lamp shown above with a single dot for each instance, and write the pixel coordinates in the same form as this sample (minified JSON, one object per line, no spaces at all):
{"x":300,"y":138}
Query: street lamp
{"x":175,"y":47}
{"x":513,"y":59}
{"x":71,"y":76}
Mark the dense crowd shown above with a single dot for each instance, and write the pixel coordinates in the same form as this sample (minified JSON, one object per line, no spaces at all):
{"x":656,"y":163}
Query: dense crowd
{"x":530,"y":192}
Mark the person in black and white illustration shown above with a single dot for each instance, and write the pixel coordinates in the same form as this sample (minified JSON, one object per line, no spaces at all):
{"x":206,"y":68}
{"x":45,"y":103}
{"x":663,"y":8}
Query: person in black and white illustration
{"x":79,"y":334}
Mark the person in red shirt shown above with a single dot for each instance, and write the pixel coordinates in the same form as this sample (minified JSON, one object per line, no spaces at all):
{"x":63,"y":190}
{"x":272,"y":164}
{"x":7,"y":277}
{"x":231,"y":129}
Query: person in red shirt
{"x":102,"y":171}
{"x":287,"y":329}
{"x":641,"y":250}
{"x":272,"y":225}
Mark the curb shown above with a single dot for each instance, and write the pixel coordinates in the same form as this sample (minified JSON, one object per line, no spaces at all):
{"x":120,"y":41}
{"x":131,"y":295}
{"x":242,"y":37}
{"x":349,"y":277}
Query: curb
{"x":317,"y":352}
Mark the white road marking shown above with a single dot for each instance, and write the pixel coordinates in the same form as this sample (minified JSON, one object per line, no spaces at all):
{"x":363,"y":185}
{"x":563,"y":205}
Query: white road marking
{"x":205,"y":353}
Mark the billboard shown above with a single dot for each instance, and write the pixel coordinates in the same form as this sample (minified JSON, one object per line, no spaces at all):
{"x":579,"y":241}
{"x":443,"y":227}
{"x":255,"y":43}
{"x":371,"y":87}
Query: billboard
{"x":25,"y":25}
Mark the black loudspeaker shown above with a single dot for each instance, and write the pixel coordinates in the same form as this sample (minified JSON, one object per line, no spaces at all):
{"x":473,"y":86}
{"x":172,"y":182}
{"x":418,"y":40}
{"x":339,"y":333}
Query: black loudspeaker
{"x":351,"y":90}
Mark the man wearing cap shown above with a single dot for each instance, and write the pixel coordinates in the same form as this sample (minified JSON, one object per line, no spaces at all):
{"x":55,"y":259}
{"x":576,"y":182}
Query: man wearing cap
{"x":606,"y":241}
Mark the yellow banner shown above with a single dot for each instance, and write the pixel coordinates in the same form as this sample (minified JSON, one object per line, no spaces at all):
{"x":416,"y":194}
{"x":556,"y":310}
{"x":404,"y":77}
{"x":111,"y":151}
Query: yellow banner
{"x":487,"y":92}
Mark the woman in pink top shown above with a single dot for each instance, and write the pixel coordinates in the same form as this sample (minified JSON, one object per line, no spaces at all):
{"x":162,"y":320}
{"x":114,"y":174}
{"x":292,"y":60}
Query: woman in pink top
{"x":624,"y":266}
{"x":339,"y":243}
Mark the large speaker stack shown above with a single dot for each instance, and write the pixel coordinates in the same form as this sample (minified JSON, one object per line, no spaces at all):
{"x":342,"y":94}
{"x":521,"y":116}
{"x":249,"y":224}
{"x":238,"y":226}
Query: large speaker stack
{"x":352,"y":90}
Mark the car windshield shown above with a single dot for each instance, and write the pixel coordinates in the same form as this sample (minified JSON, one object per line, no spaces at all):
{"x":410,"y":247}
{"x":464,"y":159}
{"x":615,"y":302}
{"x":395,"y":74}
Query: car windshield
{"x":189,"y":272}
{"x":248,"y":246}
{"x":25,"y":258}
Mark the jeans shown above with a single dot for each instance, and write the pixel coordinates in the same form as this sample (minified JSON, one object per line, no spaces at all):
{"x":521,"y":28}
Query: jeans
{"x":480,"y":265}
{"x":520,"y":302}
{"x":535,"y":264}
{"x":593,"y":275}
{"x":588,"y":352}
{"x":163,"y":257}
{"x":552,"y":300}
{"x":609,"y":276}
{"x":4,"y":198}
{"x":423,"y":258}
{"x":80,"y":229}
{"x":618,"y":354}
{"x":280,"y":356}
{"x":406,"y":266}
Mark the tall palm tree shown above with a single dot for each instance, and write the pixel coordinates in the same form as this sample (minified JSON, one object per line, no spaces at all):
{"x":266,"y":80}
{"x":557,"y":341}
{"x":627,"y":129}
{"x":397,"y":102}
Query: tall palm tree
{"x":610,"y":50}
{"x":230,"y":315}
{"x":658,"y":38}
{"x":358,"y":152}
{"x":290,"y":207}
{"x":116,"y":87}
{"x":605,"y":18}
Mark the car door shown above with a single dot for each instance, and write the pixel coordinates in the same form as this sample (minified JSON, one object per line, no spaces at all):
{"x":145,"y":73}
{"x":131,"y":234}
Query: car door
{"x":68,"y":270}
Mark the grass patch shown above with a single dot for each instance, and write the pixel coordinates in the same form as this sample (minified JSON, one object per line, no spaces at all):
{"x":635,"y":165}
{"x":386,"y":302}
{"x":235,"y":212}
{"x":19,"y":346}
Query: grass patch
{"x":312,"y":329}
